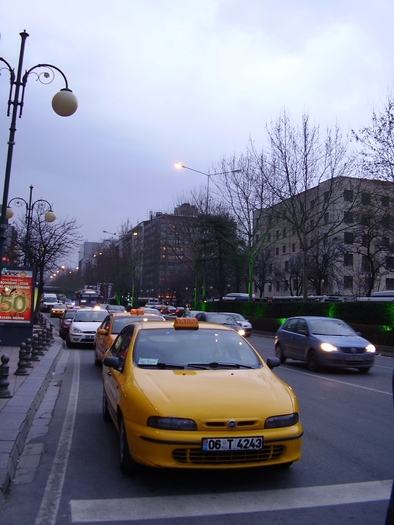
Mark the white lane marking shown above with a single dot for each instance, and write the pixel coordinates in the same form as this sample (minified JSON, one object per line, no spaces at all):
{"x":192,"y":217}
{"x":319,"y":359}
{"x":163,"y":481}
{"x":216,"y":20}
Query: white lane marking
{"x":132,"y":509}
{"x":50,"y":502}
{"x":310,"y":374}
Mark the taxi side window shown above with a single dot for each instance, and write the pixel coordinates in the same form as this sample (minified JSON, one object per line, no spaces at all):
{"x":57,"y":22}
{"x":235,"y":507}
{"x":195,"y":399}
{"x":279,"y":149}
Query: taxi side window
{"x":122,"y":342}
{"x":105,"y":323}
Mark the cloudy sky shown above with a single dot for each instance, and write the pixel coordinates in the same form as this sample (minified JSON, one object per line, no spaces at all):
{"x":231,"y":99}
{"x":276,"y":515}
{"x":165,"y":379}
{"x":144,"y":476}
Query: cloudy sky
{"x":160,"y":81}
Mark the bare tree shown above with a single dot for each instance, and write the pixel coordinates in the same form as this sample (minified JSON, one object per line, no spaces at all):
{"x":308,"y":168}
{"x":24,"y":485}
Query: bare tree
{"x":377,"y":143}
{"x":305,"y":171}
{"x":49,"y":246}
{"x":249,"y":201}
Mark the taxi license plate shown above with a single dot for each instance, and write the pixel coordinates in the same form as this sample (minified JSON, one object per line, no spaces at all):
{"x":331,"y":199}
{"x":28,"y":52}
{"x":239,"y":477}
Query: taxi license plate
{"x":218,"y":444}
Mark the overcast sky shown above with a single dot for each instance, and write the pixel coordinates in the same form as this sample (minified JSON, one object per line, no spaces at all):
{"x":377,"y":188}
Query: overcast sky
{"x":160,"y":81}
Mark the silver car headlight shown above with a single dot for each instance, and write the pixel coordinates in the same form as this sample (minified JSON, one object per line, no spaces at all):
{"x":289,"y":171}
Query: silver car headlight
{"x":171,"y":423}
{"x":371,"y":348}
{"x":76,"y":330}
{"x":281,"y":421}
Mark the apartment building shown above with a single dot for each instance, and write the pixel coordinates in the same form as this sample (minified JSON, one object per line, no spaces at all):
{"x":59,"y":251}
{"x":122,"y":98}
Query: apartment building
{"x":338,"y":237}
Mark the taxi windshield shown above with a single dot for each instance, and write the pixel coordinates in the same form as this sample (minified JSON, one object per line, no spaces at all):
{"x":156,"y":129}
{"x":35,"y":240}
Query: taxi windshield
{"x":164,"y":348}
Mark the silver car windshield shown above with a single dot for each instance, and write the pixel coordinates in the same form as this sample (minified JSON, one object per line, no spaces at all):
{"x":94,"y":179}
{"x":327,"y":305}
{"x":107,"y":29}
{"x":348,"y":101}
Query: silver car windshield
{"x":192,"y":347}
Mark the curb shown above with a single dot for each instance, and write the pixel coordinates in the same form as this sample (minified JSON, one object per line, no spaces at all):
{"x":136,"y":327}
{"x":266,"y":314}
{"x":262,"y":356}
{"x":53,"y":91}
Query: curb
{"x":17,"y":416}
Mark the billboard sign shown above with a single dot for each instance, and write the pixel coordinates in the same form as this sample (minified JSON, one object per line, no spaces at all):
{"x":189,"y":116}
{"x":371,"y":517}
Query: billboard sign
{"x":16,"y":296}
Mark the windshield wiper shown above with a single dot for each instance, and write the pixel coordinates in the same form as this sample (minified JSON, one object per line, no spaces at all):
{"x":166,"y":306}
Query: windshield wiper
{"x":162,"y":366}
{"x":215,"y":364}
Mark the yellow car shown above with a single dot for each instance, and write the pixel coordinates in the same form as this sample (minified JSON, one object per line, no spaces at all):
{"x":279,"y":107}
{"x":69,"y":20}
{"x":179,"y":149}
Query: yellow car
{"x":112,"y":325}
{"x":188,"y":395}
{"x":57,"y":310}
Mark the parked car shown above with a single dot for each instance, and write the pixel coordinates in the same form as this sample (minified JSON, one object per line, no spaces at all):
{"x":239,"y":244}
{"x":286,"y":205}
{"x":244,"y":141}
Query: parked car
{"x":240,"y":319}
{"x":184,"y":394}
{"x":84,"y":325}
{"x":65,"y":321}
{"x":323,"y":342}
{"x":219,"y":318}
{"x":112,"y":325}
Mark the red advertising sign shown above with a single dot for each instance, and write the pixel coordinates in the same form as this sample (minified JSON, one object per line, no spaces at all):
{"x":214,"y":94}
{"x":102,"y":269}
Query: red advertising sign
{"x":16,"y":295}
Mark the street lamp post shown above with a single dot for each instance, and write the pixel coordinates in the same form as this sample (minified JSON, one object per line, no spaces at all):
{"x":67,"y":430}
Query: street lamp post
{"x":64,"y":103}
{"x":179,"y":165}
{"x":49,"y":216}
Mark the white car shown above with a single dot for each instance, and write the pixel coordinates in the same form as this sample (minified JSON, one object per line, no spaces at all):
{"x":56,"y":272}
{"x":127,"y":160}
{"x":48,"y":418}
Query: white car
{"x":240,"y":319}
{"x":84,"y":326}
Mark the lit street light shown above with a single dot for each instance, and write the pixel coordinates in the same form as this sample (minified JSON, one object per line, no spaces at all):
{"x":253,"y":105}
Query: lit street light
{"x":49,"y":216}
{"x":180,"y":166}
{"x":64,"y":103}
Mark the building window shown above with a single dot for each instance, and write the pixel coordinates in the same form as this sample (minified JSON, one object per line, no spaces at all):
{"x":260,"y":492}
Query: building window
{"x":293,"y":248}
{"x":348,"y":195}
{"x":277,"y":286}
{"x":390,"y":263}
{"x":365,"y":199}
{"x":365,"y":266}
{"x":389,"y":284}
{"x":365,"y":220}
{"x":276,"y":251}
{"x":386,"y":222}
{"x":270,"y":268}
{"x":277,"y":234}
{"x":348,"y":237}
{"x":348,"y":217}
{"x":286,"y":266}
{"x":385,"y":242}
{"x":348,"y":259}
{"x":385,"y":201}
{"x":283,"y":249}
{"x":348,"y":282}
{"x":365,"y":241}
{"x":269,"y":237}
{"x":284,"y":233}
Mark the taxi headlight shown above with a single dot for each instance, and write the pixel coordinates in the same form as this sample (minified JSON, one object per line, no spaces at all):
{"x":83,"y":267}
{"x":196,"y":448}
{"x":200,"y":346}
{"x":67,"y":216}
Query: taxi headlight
{"x":371,"y":348}
{"x":281,"y":421}
{"x":171,"y":423}
{"x":241,"y":331}
{"x":328,"y":347}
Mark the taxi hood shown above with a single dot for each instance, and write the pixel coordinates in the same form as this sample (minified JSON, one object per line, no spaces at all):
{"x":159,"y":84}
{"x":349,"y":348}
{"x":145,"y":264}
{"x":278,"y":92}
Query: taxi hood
{"x":197,"y":394}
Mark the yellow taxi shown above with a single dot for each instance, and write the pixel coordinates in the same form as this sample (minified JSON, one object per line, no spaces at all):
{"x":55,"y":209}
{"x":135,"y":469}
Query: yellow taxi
{"x":188,"y":395}
{"x":113,"y":324}
{"x":57,"y":310}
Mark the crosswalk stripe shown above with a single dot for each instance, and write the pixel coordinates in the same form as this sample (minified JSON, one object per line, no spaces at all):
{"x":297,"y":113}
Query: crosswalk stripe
{"x":132,"y":509}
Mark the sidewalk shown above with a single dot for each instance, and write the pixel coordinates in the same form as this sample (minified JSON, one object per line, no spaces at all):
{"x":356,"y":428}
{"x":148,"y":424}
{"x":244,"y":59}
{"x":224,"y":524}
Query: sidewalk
{"x":17,"y":412}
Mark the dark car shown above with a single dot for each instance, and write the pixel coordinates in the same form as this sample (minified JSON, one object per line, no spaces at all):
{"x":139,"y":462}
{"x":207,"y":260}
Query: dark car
{"x":65,"y":321}
{"x":224,"y":319}
{"x":323,"y":342}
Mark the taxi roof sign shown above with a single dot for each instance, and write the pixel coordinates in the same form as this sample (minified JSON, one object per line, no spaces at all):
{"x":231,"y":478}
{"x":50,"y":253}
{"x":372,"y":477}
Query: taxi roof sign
{"x":137,"y":311}
{"x":186,"y":323}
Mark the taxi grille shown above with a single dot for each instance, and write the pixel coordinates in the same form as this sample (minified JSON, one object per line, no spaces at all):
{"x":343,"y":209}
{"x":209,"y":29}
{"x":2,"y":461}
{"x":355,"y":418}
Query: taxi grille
{"x":199,"y":457}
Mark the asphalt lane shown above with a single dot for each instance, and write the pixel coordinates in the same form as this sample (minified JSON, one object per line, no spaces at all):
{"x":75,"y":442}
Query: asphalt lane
{"x":344,"y":475}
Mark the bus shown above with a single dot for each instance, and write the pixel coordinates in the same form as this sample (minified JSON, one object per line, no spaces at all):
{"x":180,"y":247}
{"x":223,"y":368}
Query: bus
{"x":87,"y":297}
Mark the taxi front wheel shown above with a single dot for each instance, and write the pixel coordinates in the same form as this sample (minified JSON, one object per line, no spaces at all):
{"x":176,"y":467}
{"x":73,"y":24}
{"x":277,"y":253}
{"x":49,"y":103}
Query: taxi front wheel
{"x":127,"y":464}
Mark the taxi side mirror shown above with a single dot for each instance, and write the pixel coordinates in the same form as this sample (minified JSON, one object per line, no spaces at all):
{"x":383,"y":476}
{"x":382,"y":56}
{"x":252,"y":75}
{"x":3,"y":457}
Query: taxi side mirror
{"x":273,"y":362}
{"x":112,"y":362}
{"x":102,"y":331}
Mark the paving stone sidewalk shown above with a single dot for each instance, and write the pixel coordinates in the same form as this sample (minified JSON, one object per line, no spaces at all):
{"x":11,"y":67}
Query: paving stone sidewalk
{"x":17,"y":411}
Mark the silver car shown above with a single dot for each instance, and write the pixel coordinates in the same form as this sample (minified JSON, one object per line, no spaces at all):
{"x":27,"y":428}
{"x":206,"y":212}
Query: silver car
{"x":323,"y":342}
